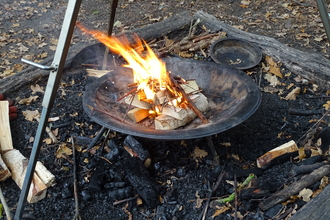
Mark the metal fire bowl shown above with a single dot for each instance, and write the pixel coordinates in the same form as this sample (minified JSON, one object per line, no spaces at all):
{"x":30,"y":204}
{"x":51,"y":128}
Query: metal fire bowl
{"x":232,"y":94}
{"x":236,"y":53}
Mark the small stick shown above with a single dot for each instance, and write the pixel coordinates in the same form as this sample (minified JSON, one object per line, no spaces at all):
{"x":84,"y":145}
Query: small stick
{"x":191,"y":104}
{"x":204,"y":37}
{"x":77,"y":215}
{"x":236,"y":199}
{"x":96,"y":138}
{"x":214,"y":188}
{"x":49,"y":132}
{"x":124,"y":200}
{"x":127,"y":94}
{"x":5,"y":206}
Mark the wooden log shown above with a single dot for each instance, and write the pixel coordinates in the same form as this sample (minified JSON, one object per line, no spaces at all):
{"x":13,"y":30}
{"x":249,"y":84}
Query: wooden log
{"x":287,"y":148}
{"x":5,"y":133}
{"x":44,"y":174}
{"x":134,"y":101}
{"x":138,"y":114}
{"x":190,"y":87}
{"x":311,"y":66}
{"x":295,"y":188}
{"x":135,"y":149}
{"x":317,"y":208}
{"x":17,"y":164}
{"x":4,"y":171}
{"x":165,"y":122}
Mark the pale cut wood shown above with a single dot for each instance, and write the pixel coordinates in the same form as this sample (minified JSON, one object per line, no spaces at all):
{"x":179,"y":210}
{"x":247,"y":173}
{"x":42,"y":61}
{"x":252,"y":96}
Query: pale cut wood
{"x":4,"y":171}
{"x":138,"y":114}
{"x":97,"y":73}
{"x":175,"y":112}
{"x":44,"y":174}
{"x":5,"y":133}
{"x":265,"y":160}
{"x":165,"y":122}
{"x":17,"y":164}
{"x":190,"y":87}
{"x":136,"y":102}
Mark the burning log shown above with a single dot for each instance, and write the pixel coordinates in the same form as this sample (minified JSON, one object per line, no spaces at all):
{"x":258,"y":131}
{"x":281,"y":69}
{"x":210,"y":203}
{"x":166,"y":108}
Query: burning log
{"x":278,"y":154}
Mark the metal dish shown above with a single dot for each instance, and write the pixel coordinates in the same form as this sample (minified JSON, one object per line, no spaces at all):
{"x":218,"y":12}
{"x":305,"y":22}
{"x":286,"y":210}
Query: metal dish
{"x":236,"y":53}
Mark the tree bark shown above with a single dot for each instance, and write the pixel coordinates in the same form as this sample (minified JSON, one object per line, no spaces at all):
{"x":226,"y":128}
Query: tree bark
{"x":310,"y":66}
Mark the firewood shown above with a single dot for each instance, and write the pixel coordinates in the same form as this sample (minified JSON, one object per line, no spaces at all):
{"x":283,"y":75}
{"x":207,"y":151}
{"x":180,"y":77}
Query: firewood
{"x":287,"y":148}
{"x":5,"y":134}
{"x":134,"y":101}
{"x":17,"y":164}
{"x":97,"y":73}
{"x":138,"y":114}
{"x":295,"y":188}
{"x":4,"y":171}
{"x":165,"y":122}
{"x":44,"y":174}
{"x":175,"y":112}
{"x":135,"y":149}
{"x":190,"y":87}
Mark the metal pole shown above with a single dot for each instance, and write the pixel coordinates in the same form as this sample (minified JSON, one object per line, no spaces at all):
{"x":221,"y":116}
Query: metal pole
{"x":114,"y":5}
{"x":51,"y":90}
{"x":324,"y":16}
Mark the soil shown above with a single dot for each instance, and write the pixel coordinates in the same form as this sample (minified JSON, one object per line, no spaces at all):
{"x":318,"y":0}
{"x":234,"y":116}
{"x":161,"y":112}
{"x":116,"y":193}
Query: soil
{"x":182,"y":176}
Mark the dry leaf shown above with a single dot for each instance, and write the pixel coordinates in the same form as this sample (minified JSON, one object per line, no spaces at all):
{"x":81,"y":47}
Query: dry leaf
{"x":273,"y":67}
{"x":30,"y":115}
{"x":199,"y":153}
{"x":48,"y":141}
{"x":305,"y":194}
{"x":301,"y":153}
{"x":293,"y":94}
{"x":220,"y":211}
{"x":62,"y":151}
{"x":246,"y":2}
{"x":327,"y":105}
{"x":36,"y":89}
{"x":199,"y":201}
{"x":28,"y":101}
{"x":226,"y":144}
{"x":53,"y":119}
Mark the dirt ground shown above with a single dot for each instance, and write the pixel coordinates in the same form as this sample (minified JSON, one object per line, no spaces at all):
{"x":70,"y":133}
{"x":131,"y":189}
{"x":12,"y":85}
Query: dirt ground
{"x":30,"y":29}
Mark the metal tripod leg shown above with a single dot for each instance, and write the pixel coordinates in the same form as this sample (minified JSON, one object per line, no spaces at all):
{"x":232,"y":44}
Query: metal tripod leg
{"x":51,"y":90}
{"x":325,"y":16}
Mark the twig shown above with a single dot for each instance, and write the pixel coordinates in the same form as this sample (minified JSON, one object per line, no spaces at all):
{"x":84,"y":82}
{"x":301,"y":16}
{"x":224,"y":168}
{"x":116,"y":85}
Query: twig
{"x":96,"y":138}
{"x":190,"y":103}
{"x":236,"y":199}
{"x":5,"y":206}
{"x":127,"y":94}
{"x":77,"y":215}
{"x":214,"y":188}
{"x":123,"y":200}
{"x":49,"y":132}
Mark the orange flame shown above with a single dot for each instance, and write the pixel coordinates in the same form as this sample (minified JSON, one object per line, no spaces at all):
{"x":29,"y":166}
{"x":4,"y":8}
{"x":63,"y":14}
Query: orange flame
{"x":139,"y":57}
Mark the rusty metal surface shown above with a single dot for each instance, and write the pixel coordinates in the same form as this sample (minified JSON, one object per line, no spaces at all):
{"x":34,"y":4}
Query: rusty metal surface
{"x":232,"y":94}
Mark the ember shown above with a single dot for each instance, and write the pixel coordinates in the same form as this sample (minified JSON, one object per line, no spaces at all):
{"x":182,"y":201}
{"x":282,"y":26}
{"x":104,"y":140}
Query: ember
{"x":171,"y":101}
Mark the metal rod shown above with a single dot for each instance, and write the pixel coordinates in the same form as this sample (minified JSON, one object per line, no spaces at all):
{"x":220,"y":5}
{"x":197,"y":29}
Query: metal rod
{"x":114,"y":5}
{"x":48,"y":101}
{"x":324,"y":16}
{"x":40,"y":66}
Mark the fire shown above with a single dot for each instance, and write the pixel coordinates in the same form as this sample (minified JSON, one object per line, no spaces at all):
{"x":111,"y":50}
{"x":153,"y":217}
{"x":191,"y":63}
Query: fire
{"x":171,"y":101}
{"x":149,"y":72}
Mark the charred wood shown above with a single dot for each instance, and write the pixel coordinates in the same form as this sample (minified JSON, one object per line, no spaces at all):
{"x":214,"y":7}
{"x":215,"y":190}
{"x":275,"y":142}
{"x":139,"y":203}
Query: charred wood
{"x":140,"y":179}
{"x":295,"y":188}
{"x":297,"y":170}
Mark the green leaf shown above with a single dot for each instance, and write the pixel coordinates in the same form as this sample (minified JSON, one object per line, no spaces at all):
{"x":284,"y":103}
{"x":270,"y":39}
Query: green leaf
{"x":95,"y":12}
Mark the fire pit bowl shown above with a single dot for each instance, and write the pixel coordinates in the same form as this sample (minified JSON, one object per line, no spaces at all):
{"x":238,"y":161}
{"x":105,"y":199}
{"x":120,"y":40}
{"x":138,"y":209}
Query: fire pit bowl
{"x":232,"y":94}
{"x":236,"y":53}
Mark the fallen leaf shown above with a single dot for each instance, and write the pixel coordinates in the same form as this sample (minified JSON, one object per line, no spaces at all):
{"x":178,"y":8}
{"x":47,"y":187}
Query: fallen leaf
{"x":28,"y":101}
{"x":199,"y":153}
{"x":48,"y":141}
{"x":53,"y":119}
{"x":36,"y":89}
{"x":226,"y":144}
{"x":199,"y":201}
{"x":306,"y":194}
{"x":62,"y":151}
{"x":327,"y":105}
{"x":30,"y":115}
{"x":293,"y":94}
{"x":220,"y":211}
